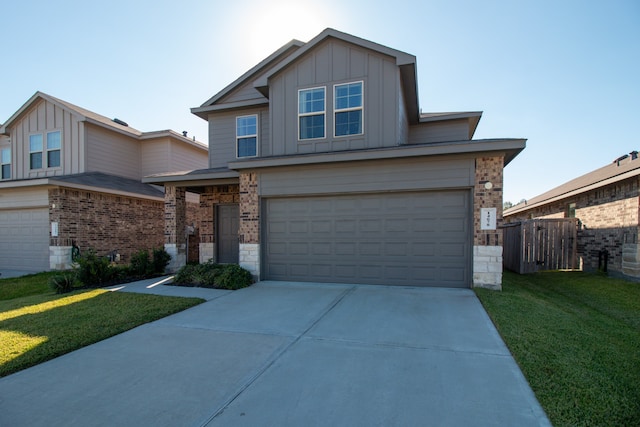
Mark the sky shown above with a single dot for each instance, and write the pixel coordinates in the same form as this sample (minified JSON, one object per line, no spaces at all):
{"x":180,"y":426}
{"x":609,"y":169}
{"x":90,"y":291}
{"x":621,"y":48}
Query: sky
{"x":564,"y":74}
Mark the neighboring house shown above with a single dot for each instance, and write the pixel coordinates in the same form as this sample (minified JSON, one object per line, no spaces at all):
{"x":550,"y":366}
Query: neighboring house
{"x":69,"y":176}
{"x":323,"y":169}
{"x":606,"y":201}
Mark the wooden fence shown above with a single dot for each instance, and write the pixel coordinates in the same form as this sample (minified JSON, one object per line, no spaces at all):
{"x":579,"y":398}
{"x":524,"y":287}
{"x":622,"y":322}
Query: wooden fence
{"x":541,"y":244}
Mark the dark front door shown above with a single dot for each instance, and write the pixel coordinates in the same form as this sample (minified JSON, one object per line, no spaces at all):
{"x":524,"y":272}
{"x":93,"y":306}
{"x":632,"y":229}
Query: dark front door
{"x":228,"y":222}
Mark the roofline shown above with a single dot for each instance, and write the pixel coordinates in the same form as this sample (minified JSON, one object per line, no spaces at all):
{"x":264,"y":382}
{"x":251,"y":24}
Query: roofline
{"x":523,"y":207}
{"x":173,"y":134}
{"x":508,"y":147}
{"x":190,"y":176}
{"x":473,"y":117}
{"x":200,"y":111}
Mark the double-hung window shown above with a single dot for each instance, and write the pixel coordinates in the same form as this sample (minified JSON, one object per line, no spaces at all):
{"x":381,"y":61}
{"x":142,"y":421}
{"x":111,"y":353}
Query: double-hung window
{"x":311,"y":112}
{"x":5,"y":163}
{"x":35,"y":151}
{"x":53,"y":149}
{"x":348,"y":109}
{"x":247,"y":136}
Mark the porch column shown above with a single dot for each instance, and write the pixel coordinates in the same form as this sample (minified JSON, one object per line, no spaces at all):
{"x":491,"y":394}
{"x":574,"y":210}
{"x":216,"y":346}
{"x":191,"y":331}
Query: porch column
{"x":249,"y":233}
{"x":487,"y":219}
{"x":175,"y":210}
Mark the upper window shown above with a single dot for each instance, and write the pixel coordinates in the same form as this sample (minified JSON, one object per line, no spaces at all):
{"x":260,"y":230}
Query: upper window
{"x":53,"y":149}
{"x":311,"y":110}
{"x":5,"y":162}
{"x":35,"y":151}
{"x":348,"y":109}
{"x":247,"y":136}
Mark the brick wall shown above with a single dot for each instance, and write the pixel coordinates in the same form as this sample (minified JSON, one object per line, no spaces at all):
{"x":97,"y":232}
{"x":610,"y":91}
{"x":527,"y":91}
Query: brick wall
{"x":249,"y":209}
{"x":488,"y":169}
{"x":106,"y":222}
{"x":212,"y":196}
{"x":608,"y":220}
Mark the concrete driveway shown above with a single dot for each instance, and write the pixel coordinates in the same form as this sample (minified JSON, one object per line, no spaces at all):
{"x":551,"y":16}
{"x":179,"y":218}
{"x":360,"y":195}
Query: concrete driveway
{"x":288,"y":354}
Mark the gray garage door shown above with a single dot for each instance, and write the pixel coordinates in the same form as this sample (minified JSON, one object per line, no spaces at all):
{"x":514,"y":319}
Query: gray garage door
{"x":417,"y":239}
{"x":24,"y":239}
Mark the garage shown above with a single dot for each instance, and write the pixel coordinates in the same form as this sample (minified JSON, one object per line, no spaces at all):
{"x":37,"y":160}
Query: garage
{"x":24,"y":239}
{"x":418,"y":238}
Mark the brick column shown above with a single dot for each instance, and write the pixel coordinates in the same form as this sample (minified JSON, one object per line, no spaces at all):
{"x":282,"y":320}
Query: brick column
{"x":175,"y":211}
{"x":249,"y":233}
{"x":487,"y":244}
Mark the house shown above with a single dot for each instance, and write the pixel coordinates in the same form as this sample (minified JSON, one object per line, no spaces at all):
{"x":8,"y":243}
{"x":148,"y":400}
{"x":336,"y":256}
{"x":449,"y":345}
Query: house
{"x":322,"y":168}
{"x":71,"y":176}
{"x":606,"y":202}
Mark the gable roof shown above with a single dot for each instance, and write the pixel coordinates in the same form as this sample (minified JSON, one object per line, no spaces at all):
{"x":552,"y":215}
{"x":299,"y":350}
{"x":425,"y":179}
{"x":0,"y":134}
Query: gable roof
{"x":97,"y":119}
{"x":293,"y":50}
{"x":622,"y":168}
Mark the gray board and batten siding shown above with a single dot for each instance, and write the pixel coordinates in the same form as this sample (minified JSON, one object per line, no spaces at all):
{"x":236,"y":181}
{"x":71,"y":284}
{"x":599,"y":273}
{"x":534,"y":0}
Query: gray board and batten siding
{"x":394,"y":222}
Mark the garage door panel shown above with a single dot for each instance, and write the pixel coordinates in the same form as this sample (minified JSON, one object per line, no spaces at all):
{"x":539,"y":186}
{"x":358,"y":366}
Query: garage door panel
{"x":418,"y":239}
{"x":24,"y":237}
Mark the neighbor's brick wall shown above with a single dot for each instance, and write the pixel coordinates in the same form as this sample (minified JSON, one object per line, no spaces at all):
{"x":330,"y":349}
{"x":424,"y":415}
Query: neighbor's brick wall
{"x":608,"y":219}
{"x":249,"y":209}
{"x":488,"y":169}
{"x":106,"y":222}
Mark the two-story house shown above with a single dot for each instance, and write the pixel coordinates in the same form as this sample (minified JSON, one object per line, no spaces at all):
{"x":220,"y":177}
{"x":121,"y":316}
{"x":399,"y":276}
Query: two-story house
{"x":71,"y":176}
{"x":322,"y":168}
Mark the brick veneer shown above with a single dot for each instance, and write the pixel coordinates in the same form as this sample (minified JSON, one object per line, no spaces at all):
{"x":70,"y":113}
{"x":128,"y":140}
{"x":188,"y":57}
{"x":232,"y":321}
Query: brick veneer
{"x":609,"y":218}
{"x":212,"y":196}
{"x":249,"y":209}
{"x":105,"y":222}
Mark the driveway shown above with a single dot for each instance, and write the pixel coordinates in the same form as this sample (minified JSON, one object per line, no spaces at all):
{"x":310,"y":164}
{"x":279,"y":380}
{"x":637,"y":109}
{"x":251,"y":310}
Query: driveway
{"x":288,"y":354}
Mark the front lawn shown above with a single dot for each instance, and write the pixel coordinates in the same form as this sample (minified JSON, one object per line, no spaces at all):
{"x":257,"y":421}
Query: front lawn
{"x":576,"y":337}
{"x":37,"y":325}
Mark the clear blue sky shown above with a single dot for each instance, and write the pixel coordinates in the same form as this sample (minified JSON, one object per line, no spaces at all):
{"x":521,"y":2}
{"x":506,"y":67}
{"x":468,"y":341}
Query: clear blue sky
{"x":564,"y":74}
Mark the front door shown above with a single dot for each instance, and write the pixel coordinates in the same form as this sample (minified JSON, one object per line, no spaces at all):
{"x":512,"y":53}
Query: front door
{"x":228,"y":222}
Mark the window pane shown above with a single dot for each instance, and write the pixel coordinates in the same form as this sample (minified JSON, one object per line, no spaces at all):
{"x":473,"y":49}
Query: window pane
{"x":311,"y":101}
{"x":36,"y":160}
{"x":349,"y":123}
{"x":247,"y":147}
{"x":348,"y":96}
{"x":6,"y":171}
{"x":35,"y":142}
{"x":312,"y":127}
{"x":6,"y":155}
{"x":246,"y":126}
{"x":53,"y":140}
{"x":53,"y":158}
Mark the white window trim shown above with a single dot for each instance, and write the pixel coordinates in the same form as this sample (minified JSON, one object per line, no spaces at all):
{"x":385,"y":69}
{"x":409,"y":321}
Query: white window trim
{"x":42,"y":160}
{"x":46,"y":149}
{"x":4,"y":164}
{"x":247,"y":136}
{"x":342,"y":110}
{"x":315,"y":113}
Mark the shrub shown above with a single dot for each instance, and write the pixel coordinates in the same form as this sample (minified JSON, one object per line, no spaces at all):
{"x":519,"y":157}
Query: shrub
{"x":161,"y":259}
{"x":91,"y":269}
{"x":141,"y":264}
{"x":185,"y":276}
{"x":63,"y":283}
{"x":234,"y":277}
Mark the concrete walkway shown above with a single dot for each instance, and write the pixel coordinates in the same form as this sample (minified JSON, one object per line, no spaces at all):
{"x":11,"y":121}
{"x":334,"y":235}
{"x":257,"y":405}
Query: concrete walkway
{"x":287,"y":354}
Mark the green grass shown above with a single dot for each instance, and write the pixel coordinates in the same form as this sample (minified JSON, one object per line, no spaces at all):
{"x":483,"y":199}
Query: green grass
{"x":37,"y":325}
{"x":576,"y":337}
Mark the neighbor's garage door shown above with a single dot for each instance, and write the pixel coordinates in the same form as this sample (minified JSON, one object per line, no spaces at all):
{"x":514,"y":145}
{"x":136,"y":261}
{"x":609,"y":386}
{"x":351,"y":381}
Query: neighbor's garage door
{"x":24,"y":239}
{"x":417,"y":239}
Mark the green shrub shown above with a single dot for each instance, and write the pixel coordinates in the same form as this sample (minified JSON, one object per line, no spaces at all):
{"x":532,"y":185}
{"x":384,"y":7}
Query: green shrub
{"x":91,"y":269}
{"x":234,"y":277}
{"x":63,"y":283}
{"x":161,"y":259}
{"x":141,"y":264}
{"x":185,"y":276}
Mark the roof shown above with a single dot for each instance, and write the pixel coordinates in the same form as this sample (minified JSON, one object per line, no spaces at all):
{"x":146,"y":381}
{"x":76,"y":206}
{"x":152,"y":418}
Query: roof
{"x":292,"y":51}
{"x":97,"y":119}
{"x":622,"y":168}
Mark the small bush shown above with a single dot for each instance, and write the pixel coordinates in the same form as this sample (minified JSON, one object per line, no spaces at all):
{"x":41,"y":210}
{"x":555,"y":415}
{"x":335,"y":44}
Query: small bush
{"x":63,"y":283}
{"x":234,"y":277}
{"x":141,"y":264}
{"x":91,"y":269}
{"x":185,"y":276}
{"x":161,"y":259}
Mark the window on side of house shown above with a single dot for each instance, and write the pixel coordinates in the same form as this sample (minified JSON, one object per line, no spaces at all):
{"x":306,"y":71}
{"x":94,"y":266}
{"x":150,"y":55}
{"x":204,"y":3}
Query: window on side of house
{"x":53,"y":149}
{"x":348,"y":109}
{"x":571,"y":210}
{"x":35,"y":151}
{"x":311,"y":113}
{"x":247,"y":136}
{"x":5,"y":163}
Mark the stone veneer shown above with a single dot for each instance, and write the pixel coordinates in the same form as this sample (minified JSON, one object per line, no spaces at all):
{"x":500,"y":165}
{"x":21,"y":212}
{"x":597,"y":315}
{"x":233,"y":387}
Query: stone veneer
{"x":103,"y":222}
{"x":487,"y":244}
{"x":249,"y":234}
